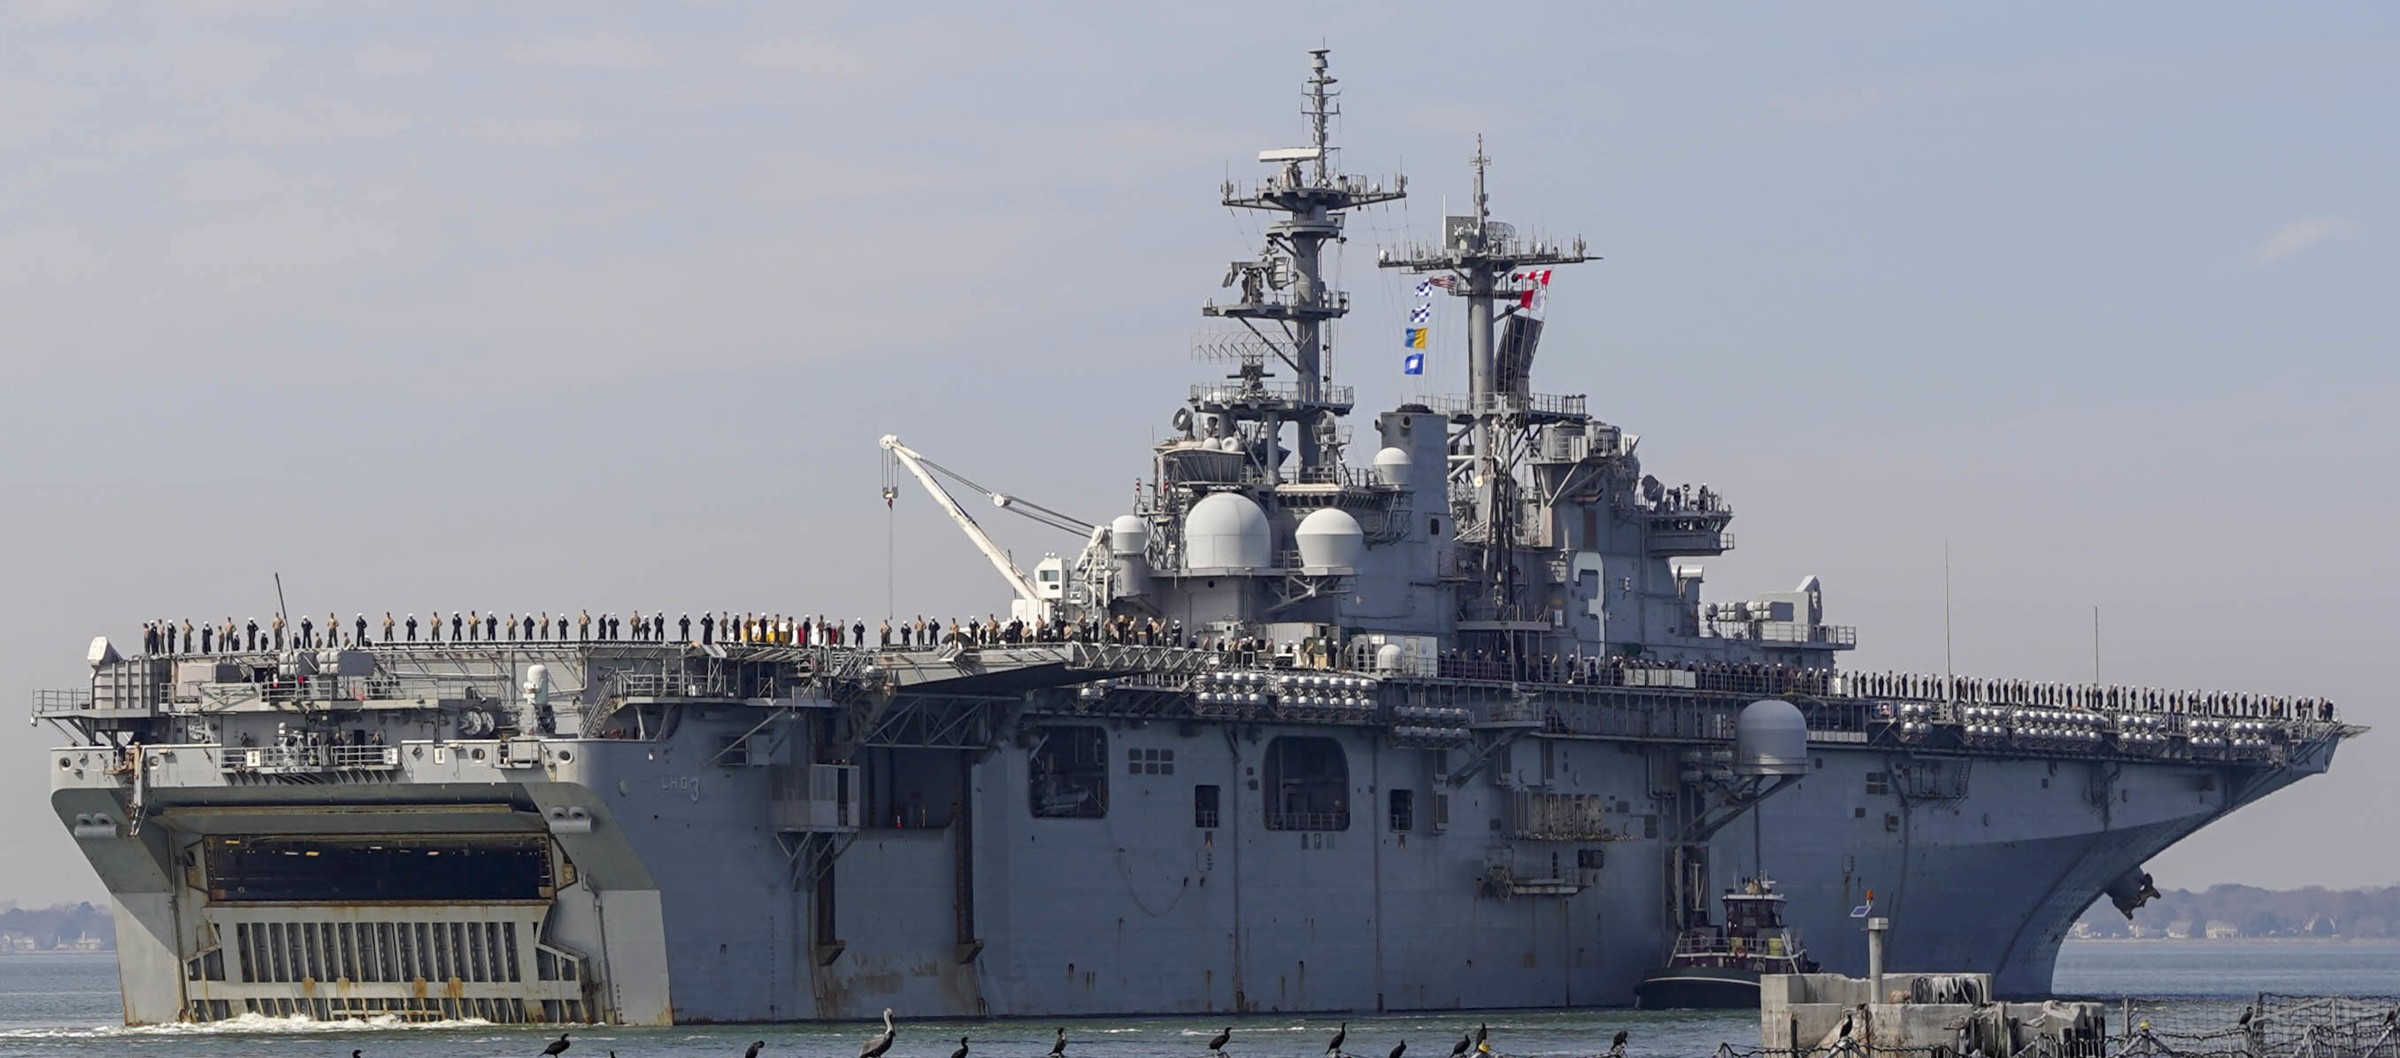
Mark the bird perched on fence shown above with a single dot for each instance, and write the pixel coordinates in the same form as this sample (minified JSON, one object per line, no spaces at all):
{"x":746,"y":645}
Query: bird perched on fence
{"x":1459,"y":1049}
{"x":875,"y":1047}
{"x":1059,"y":1046}
{"x":1216,"y":1043}
{"x":1616,"y":1047}
{"x":1334,"y":1045}
{"x":557,"y":1047}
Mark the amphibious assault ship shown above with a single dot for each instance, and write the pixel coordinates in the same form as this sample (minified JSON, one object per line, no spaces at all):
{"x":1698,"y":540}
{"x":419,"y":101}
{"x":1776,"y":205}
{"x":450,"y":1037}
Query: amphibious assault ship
{"x":1451,"y":726}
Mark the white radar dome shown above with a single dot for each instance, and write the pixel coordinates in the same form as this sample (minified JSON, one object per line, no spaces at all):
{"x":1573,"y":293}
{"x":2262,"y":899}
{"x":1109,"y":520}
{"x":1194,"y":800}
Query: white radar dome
{"x":1128,"y":535}
{"x":1330,"y":537}
{"x":1227,"y":531}
{"x":1394,"y":467}
{"x":1770,"y":738}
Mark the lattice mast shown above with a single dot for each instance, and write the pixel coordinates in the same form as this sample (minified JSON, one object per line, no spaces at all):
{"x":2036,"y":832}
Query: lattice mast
{"x":1484,"y":259}
{"x":1284,"y":289}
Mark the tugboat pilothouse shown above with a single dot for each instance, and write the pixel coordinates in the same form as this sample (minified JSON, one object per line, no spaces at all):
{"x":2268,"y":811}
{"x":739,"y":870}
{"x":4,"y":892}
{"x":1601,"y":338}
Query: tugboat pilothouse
{"x":1718,"y":967}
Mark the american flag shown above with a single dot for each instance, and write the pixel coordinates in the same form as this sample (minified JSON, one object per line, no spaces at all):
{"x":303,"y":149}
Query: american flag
{"x":1444,"y":282}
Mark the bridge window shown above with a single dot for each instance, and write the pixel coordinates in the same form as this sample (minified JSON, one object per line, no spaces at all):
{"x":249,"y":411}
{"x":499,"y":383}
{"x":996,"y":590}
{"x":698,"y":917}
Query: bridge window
{"x":1149,"y":762}
{"x":1204,"y":807}
{"x":1069,"y":773}
{"x":1308,"y":784}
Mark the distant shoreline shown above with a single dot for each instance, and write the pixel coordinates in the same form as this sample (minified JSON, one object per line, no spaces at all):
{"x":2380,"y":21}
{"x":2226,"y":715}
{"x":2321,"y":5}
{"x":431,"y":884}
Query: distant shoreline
{"x":2383,"y":942}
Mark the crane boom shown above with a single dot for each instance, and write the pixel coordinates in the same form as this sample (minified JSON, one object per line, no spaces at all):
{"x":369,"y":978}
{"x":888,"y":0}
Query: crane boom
{"x":983,"y":542}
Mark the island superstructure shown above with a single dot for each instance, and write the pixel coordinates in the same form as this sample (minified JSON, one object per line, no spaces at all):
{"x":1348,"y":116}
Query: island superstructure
{"x":1451,"y":726}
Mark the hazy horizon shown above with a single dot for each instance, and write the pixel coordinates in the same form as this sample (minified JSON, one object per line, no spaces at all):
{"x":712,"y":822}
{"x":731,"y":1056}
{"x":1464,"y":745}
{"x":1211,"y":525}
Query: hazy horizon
{"x":605,"y":306}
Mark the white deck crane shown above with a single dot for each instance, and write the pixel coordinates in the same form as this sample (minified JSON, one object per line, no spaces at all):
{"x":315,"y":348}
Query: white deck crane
{"x":1032,"y":601}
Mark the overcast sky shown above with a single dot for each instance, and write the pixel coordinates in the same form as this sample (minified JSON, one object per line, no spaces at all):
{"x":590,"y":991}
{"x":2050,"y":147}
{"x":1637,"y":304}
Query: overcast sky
{"x":595,"y":305}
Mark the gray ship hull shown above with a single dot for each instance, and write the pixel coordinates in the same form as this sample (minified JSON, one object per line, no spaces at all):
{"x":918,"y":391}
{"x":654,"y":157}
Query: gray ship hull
{"x":1992,"y":881}
{"x":687,"y":904}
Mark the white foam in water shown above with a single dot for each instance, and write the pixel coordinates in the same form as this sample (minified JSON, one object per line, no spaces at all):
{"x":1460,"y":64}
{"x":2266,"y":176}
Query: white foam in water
{"x":243,"y":1025}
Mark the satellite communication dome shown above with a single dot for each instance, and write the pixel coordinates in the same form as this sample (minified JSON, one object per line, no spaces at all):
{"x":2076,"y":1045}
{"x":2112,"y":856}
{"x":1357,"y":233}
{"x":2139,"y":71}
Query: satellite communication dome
{"x":1128,"y":535}
{"x":1227,"y":531}
{"x":1770,"y":738}
{"x":1330,"y":537}
{"x":1395,"y":467}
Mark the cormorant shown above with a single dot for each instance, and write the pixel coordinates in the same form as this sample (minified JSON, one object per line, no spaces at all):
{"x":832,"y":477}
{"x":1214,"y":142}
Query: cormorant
{"x":1216,"y":1043}
{"x":874,"y":1048}
{"x":1398,"y":1050}
{"x":2246,"y":1013}
{"x":1334,"y":1045}
{"x":1459,"y":1049}
{"x":1059,"y":1047}
{"x":557,"y":1047}
{"x":1617,"y":1046}
{"x":961,"y":1052}
{"x":752,"y":1050}
{"x":1483,"y":1034}
{"x":1849,"y":1019}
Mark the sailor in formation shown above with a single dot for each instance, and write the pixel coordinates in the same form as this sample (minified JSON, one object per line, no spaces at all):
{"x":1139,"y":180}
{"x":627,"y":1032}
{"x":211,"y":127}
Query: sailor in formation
{"x":1917,"y":690}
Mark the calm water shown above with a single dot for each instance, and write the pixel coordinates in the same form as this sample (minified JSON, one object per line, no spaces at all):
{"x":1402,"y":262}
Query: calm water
{"x":67,"y":1005}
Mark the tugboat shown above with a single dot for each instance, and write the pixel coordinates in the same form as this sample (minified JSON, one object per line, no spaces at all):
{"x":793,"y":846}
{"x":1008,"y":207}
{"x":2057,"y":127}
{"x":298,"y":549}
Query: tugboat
{"x":1718,"y":967}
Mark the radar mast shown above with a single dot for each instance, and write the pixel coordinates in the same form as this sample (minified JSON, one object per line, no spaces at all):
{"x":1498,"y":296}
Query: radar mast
{"x":1484,"y":259}
{"x":1285,"y":301}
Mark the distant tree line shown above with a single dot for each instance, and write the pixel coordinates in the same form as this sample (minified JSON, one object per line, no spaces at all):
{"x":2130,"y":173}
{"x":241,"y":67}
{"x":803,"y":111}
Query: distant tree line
{"x":2248,"y":911}
{"x":55,"y":928}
